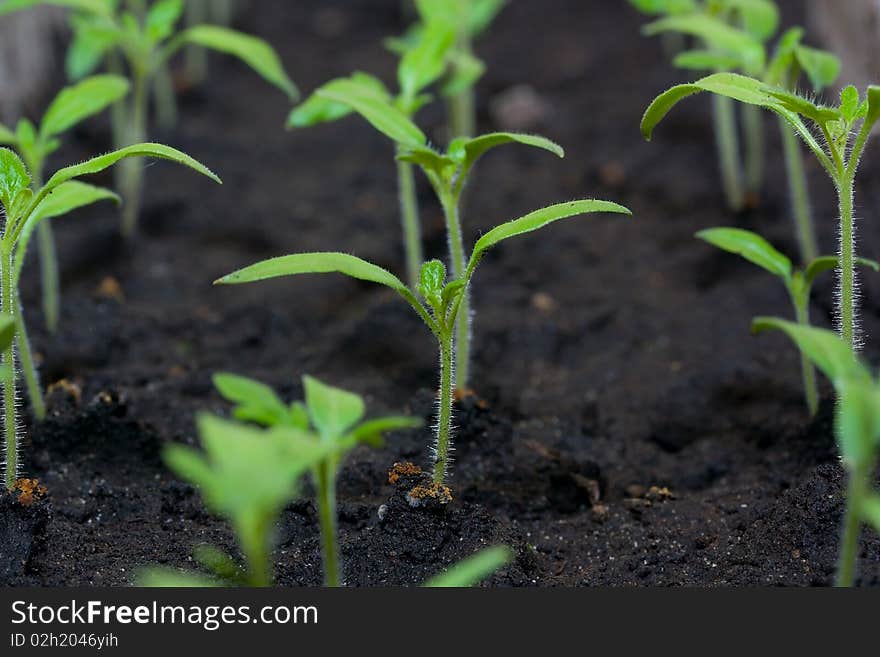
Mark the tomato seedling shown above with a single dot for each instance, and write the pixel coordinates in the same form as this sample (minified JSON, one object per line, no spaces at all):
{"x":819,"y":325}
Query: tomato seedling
{"x":437,"y":301}
{"x":798,"y":282}
{"x":838,"y":155}
{"x":24,"y":208}
{"x":142,"y":37}
{"x":35,"y":143}
{"x":329,"y":416}
{"x":857,"y":428}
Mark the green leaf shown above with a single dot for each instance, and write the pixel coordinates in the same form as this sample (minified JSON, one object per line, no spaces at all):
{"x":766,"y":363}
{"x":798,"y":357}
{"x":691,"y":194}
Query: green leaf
{"x":466,"y":71}
{"x":427,"y":158}
{"x":432,"y":278}
{"x":760,"y":18}
{"x":91,"y":6}
{"x":379,"y":112}
{"x":78,"y":102}
{"x":7,"y":137}
{"x":92,"y":38}
{"x":321,"y":110}
{"x":871,"y":511}
{"x":161,"y":19}
{"x":823,"y":264}
{"x":706,"y":60}
{"x":873,"y":105}
{"x":473,"y":570}
{"x":803,"y":106}
{"x":661,"y":7}
{"x":14,"y":179}
{"x":849,"y":103}
{"x":333,"y":411}
{"x":7,"y":330}
{"x":750,"y":246}
{"x":218,"y":562}
{"x":821,"y":67}
{"x":371,"y":431}
{"x":314,"y":263}
{"x":255,"y":52}
{"x":717,"y":35}
{"x":537,"y":220}
{"x":468,"y":151}
{"x":255,"y":401}
{"x":423,"y":64}
{"x":169,"y":578}
{"x":102,"y":162}
{"x":831,"y":354}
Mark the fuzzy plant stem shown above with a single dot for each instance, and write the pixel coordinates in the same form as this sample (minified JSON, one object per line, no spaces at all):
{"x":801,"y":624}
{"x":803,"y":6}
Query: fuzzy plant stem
{"x":808,"y":372}
{"x":444,"y":415}
{"x":10,"y":426}
{"x":28,"y":367}
{"x":463,"y":322}
{"x":724,"y":116}
{"x":325,"y":482}
{"x":852,"y":525}
{"x":799,"y":194}
{"x":132,"y":169}
{"x":847,"y":271}
{"x":409,"y":216}
{"x":753,"y":127}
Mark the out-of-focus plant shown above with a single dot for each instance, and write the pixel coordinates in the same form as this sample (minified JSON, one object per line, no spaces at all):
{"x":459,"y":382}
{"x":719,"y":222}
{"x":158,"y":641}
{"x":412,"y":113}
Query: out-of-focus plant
{"x":473,"y":570}
{"x":24,"y":208}
{"x":798,"y":282}
{"x":857,"y":428}
{"x":35,"y":143}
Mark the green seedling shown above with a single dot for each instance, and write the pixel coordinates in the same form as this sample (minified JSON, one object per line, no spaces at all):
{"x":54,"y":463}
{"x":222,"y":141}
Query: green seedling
{"x":216,"y":12}
{"x":437,"y":301}
{"x":838,"y":154}
{"x":473,"y":570}
{"x":798,"y":282}
{"x":418,"y":69}
{"x":330,"y":417}
{"x":447,"y":172}
{"x":140,"y":38}
{"x":24,"y":208}
{"x":467,"y":19}
{"x":857,"y":428}
{"x":35,"y":143}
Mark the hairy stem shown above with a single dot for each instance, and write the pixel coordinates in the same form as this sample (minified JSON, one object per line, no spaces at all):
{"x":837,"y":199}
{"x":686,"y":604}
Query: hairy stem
{"x":753,"y":126}
{"x":133,"y":169}
{"x":409,"y":215}
{"x":724,"y":115}
{"x":457,"y":257}
{"x":444,"y":415}
{"x":28,"y":367}
{"x":325,"y":482}
{"x":49,"y":275}
{"x":10,"y":427}
{"x":808,"y":372}
{"x":846,"y":273}
{"x":799,"y":194}
{"x":852,"y":525}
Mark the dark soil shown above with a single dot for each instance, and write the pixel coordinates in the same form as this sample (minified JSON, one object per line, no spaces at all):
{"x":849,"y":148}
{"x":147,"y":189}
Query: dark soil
{"x":628,"y":429}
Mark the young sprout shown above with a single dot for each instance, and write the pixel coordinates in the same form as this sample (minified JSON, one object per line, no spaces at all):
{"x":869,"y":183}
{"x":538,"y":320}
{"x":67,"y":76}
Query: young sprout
{"x":473,"y":570}
{"x":330,"y":417}
{"x":418,"y":69}
{"x":437,"y":301}
{"x":468,"y":19}
{"x":838,"y":154}
{"x":798,"y":282}
{"x":24,"y":208}
{"x":857,"y":428}
{"x":447,"y":172}
{"x":143,"y":38}
{"x":35,"y":143}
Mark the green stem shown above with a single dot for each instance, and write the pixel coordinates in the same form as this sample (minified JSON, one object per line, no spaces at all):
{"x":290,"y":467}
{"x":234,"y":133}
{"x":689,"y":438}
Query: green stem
{"x":852,"y":524}
{"x":808,"y":372}
{"x":253,"y":536}
{"x":196,"y":58}
{"x":444,"y":416}
{"x":49,"y":275}
{"x":799,"y":194}
{"x":132,"y":169}
{"x":463,"y":106}
{"x":223,"y":12}
{"x":847,"y":273}
{"x":325,"y":482}
{"x":29,"y":369}
{"x":753,"y":126}
{"x":409,"y":214}
{"x":463,"y":322}
{"x":724,"y":115}
{"x":166,"y":100}
{"x":10,"y":427}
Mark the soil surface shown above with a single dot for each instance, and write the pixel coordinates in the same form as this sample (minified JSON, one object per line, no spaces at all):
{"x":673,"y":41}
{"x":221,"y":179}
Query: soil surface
{"x":627,"y":430}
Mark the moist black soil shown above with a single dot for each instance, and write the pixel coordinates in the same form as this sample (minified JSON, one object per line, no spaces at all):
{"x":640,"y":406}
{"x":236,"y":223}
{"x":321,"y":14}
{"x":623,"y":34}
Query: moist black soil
{"x":627,"y":429}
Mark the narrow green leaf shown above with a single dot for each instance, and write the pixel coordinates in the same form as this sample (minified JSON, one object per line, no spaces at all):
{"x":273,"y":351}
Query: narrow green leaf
{"x":371,"y":431}
{"x":537,"y":220}
{"x":380,"y":113}
{"x":92,"y":38}
{"x":162,"y":17}
{"x":832,"y":355}
{"x":100,"y":7}
{"x":823,"y":264}
{"x":750,"y":246}
{"x":80,"y":101}
{"x":333,"y":411}
{"x":473,"y":570}
{"x":255,"y":52}
{"x":821,"y":67}
{"x":465,"y":71}
{"x":316,"y":109}
{"x":256,"y":402}
{"x":314,"y":263}
{"x":423,"y":64}
{"x":661,"y":7}
{"x":483,"y":14}
{"x":760,"y":18}
{"x":706,"y":60}
{"x":468,"y":151}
